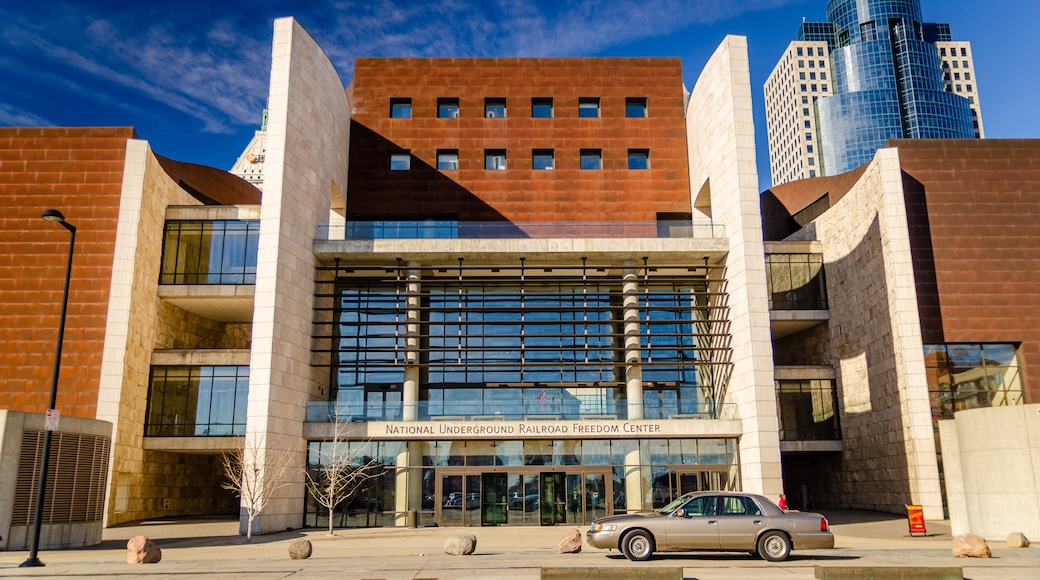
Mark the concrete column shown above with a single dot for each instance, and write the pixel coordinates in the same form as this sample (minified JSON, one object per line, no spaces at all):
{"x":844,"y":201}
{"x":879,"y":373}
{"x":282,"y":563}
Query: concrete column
{"x":633,"y":358}
{"x":402,"y":487}
{"x":411,"y":356}
{"x":633,"y":482}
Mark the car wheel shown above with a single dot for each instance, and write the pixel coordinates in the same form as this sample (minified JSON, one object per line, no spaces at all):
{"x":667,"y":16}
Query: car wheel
{"x":774,"y":546}
{"x":637,"y":546}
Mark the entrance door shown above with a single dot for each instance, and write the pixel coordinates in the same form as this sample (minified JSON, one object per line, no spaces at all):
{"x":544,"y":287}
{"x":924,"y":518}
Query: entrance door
{"x":494,"y":499}
{"x":552,"y":498}
{"x":450,"y":500}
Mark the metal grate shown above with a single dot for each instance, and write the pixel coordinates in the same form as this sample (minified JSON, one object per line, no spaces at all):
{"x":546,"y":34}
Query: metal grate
{"x":75,"y":490}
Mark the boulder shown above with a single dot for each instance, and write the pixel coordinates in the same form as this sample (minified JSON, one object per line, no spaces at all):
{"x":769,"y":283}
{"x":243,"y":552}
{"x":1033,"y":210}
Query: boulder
{"x":300,"y":549}
{"x":461,"y":545}
{"x":570,"y":542}
{"x":970,"y":546}
{"x":1017,"y":540}
{"x":141,"y":550}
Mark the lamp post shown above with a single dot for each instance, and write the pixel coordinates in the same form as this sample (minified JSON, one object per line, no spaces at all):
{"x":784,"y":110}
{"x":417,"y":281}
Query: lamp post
{"x":56,"y":216}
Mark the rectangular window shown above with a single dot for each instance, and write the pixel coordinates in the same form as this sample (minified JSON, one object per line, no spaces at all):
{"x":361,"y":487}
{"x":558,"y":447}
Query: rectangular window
{"x":400,"y":161}
{"x":635,"y":107}
{"x":495,"y":108}
{"x":197,"y":401}
{"x":957,"y":88}
{"x":805,"y":112}
{"x":808,"y":149}
{"x":968,"y":87}
{"x":448,"y":159}
{"x":801,"y":64}
{"x":808,"y":125}
{"x":799,"y":51}
{"x":819,"y":51}
{"x":812,"y":173}
{"x":804,"y":87}
{"x":209,"y":252}
{"x":942,"y":51}
{"x":801,"y":76}
{"x":591,"y":159}
{"x":964,"y":64}
{"x":812,"y":64}
{"x":400,"y":108}
{"x":588,"y":107}
{"x":542,"y":159}
{"x":823,"y":76}
{"x":967,"y":76}
{"x":964,"y":51}
{"x":638,"y":159}
{"x":542,"y":108}
{"x":954,"y":64}
{"x":812,"y":161}
{"x":447,"y":108}
{"x":956,"y":76}
{"x":495,"y":159}
{"x":808,"y":136}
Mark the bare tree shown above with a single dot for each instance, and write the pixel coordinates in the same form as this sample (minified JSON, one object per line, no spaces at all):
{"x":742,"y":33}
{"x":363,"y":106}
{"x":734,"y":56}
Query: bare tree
{"x":255,"y":473}
{"x":341,"y":469}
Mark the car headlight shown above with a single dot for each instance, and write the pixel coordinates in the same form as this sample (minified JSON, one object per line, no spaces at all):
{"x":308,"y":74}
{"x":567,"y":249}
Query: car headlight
{"x":603,"y":527}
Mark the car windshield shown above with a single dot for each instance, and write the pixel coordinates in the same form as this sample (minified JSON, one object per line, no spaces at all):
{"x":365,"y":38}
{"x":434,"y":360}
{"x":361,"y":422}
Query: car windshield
{"x":676,"y":503}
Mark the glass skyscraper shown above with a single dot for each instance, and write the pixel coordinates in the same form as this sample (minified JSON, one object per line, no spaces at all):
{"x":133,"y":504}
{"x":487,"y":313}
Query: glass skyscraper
{"x":880,"y":74}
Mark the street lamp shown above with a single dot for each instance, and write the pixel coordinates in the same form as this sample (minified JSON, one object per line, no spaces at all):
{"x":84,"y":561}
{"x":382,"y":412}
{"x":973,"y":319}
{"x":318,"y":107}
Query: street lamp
{"x":51,"y":215}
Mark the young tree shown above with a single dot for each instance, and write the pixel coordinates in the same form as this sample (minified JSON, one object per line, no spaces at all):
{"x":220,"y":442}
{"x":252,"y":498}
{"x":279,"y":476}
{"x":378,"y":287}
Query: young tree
{"x":255,"y":473}
{"x":341,"y":469}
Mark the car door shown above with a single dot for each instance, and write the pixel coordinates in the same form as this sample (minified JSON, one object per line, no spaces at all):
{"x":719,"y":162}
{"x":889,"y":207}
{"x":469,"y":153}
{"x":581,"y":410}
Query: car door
{"x":739,"y":523}
{"x":694,"y":526}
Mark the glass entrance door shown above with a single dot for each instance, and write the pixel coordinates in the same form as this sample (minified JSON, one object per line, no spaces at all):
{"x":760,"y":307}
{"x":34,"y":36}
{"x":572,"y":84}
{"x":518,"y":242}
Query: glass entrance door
{"x":494,"y":499}
{"x":552,"y":498}
{"x":451,"y":500}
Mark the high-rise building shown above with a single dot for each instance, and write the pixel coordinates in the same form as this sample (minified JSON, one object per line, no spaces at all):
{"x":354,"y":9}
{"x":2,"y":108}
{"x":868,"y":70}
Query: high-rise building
{"x":872,"y":72}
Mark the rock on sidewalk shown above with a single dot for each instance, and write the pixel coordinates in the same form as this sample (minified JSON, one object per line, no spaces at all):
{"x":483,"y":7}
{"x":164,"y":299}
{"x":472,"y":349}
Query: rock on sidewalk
{"x":1017,"y":540}
{"x":970,"y":546}
{"x":141,"y":550}
{"x":570,"y":542}
{"x":462,"y":545}
{"x":300,"y":549}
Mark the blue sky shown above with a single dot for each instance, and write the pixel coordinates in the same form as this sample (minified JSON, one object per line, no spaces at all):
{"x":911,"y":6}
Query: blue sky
{"x":191,"y":76}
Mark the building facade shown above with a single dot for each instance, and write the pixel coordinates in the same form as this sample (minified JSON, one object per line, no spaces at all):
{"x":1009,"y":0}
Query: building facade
{"x":518,"y":291}
{"x":932,"y":311}
{"x":873,"y":71}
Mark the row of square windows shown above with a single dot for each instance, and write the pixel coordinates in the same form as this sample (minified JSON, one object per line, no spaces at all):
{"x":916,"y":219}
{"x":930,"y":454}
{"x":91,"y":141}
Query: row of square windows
{"x":953,"y":51}
{"x":541,"y":108}
{"x":541,"y":159}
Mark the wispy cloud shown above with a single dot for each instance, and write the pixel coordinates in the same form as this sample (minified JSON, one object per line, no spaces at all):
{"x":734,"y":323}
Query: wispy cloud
{"x":14,"y":117}
{"x":210,"y":60}
{"x":208,"y":72}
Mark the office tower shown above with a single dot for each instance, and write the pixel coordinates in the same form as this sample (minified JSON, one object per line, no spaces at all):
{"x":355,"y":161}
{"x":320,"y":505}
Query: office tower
{"x":872,"y":72}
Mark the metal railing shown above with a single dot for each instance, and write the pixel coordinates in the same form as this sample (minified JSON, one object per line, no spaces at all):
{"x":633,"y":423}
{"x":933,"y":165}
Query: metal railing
{"x":449,"y":229}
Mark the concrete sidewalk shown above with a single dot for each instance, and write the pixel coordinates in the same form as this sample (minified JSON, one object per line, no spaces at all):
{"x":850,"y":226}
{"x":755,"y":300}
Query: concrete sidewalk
{"x":212,"y":549}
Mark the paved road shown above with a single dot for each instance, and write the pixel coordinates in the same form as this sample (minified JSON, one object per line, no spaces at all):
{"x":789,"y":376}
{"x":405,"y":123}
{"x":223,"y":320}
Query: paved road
{"x":212,"y":549}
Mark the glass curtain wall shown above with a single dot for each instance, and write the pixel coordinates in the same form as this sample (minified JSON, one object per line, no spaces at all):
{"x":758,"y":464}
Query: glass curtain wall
{"x":522,"y":346}
{"x":532,"y":482}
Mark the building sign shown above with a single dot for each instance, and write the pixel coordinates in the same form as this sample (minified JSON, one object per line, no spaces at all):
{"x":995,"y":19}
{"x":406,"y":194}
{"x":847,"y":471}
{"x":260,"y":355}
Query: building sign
{"x":915,"y":517}
{"x":549,"y":429}
{"x":51,"y":422}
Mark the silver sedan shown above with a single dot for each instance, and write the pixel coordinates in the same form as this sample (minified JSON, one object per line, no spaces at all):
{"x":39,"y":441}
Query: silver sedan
{"x":713,"y":521}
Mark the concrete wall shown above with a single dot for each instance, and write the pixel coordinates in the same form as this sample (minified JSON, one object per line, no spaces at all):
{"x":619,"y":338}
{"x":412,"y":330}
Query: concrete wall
{"x":991,"y":459}
{"x":720,"y":136}
{"x":80,"y":505}
{"x":143,"y":483}
{"x":889,"y":450}
{"x":307,"y":155}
